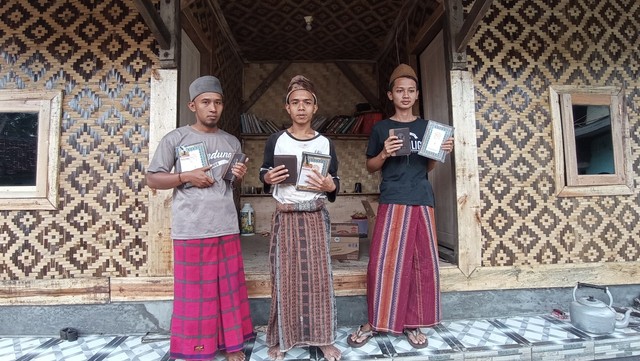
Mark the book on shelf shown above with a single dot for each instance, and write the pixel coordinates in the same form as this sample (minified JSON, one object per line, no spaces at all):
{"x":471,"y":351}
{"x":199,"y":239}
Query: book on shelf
{"x":311,"y":161}
{"x":192,"y":157}
{"x":348,"y":122}
{"x":404,"y":135}
{"x":435,"y":134}
{"x":251,"y":124}
{"x":290,"y":162}
{"x":235,"y":158}
{"x":358,"y":124}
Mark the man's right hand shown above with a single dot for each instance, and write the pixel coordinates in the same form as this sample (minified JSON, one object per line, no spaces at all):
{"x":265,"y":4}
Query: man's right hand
{"x":276,"y":175}
{"x":198,"y":177}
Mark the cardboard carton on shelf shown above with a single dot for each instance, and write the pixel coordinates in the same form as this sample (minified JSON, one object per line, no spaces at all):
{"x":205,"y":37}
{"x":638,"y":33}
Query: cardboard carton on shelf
{"x":344,"y":229}
{"x":345,"y":247}
{"x":345,"y":241}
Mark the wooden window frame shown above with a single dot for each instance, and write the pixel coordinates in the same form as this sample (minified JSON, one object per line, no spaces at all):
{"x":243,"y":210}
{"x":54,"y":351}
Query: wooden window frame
{"x":48,"y":105}
{"x":568,"y":182}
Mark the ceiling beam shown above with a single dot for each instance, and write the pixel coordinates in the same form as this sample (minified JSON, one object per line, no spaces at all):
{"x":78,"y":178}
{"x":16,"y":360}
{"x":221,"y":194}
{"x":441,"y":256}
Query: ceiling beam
{"x":185,"y":4}
{"x":428,"y":31}
{"x":391,"y":38}
{"x":470,"y":25}
{"x":154,"y":22}
{"x":194,"y":30}
{"x":266,"y":84}
{"x":358,"y":84}
{"x":224,"y":27}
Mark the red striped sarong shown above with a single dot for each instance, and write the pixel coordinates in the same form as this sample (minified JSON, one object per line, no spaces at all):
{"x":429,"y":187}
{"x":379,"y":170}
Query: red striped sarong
{"x":403,"y":283}
{"x":302,"y":302}
{"x":210,"y":303}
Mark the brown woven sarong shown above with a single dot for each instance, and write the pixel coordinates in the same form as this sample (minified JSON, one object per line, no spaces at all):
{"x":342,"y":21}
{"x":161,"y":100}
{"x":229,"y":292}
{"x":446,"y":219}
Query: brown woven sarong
{"x":302,"y":301}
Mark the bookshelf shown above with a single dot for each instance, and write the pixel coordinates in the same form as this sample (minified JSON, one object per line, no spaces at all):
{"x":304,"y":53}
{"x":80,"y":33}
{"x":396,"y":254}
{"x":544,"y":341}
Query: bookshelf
{"x":357,"y":125}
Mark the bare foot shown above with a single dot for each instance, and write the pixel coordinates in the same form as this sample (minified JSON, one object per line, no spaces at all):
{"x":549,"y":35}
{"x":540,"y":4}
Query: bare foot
{"x":275,"y":353}
{"x":330,"y":352}
{"x":234,"y":356}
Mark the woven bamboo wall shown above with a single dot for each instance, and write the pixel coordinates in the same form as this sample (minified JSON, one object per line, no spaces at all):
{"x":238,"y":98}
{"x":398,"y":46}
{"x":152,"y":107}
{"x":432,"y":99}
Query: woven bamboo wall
{"x":335,"y":93}
{"x":521,"y":48}
{"x":101,"y":54}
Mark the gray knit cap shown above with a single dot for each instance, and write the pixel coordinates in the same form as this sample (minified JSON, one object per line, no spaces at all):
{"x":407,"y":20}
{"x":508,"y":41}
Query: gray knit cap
{"x":204,"y":84}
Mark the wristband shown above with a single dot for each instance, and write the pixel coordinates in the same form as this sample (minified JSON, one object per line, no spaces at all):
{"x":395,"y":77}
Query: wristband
{"x":180,"y":179}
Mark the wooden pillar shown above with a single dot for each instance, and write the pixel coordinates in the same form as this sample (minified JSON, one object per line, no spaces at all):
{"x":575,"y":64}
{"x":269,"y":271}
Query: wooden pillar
{"x":466,"y":172}
{"x":164,"y":100}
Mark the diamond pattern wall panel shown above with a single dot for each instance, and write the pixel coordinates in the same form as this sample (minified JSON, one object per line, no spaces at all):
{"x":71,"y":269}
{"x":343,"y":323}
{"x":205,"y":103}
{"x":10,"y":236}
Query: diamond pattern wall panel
{"x":521,"y":48}
{"x":100,"y":54}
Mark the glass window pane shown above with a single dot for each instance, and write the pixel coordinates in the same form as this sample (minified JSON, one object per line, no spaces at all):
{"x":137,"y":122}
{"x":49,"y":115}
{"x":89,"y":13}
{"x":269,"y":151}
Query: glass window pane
{"x":18,"y":149}
{"x":594,"y":145}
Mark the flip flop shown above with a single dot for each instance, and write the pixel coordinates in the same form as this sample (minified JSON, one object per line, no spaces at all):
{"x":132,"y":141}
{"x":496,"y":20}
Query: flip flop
{"x":415,"y":332}
{"x":359,"y":333}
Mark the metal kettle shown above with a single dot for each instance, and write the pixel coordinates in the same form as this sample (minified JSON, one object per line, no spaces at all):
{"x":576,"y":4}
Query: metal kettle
{"x":594,"y":316}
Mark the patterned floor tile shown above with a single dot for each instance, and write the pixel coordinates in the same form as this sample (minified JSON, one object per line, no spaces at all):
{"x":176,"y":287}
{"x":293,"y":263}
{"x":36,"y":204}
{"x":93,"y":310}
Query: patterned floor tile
{"x":478,"y":334}
{"x":525,"y":338}
{"x":537,"y":330}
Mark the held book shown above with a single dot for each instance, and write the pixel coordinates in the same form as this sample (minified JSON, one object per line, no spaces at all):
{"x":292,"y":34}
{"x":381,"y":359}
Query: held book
{"x":402,"y":134}
{"x":311,"y":161}
{"x":192,"y":157}
{"x":290,"y":162}
{"x":435,"y":134}
{"x":235,"y":158}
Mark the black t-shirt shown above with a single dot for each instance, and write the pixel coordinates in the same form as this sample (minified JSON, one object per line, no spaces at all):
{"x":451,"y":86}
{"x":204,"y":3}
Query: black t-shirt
{"x":404,"y":178}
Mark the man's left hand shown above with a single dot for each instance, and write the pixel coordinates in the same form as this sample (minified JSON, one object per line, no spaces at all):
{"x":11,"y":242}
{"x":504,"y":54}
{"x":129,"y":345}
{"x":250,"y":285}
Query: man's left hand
{"x":240,"y":169}
{"x":317,"y":182}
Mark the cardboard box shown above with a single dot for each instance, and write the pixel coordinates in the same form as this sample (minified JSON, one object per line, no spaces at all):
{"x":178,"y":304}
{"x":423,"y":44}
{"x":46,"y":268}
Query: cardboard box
{"x":345,"y":247}
{"x":345,"y":241}
{"x":344,"y":229}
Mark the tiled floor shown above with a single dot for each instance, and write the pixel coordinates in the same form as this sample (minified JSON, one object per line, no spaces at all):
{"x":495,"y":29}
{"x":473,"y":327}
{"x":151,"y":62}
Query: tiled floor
{"x":518,"y":338}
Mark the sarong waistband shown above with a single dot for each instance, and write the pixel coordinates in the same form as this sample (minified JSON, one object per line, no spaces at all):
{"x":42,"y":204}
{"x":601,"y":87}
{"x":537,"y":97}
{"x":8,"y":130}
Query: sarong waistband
{"x":306,"y":206}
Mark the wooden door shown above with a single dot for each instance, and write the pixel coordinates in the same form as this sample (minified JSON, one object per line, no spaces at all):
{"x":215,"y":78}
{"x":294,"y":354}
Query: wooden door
{"x":434,"y":92}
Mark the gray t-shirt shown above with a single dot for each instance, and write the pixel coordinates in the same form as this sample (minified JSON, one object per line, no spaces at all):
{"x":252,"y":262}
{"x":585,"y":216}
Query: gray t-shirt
{"x":200,"y":212}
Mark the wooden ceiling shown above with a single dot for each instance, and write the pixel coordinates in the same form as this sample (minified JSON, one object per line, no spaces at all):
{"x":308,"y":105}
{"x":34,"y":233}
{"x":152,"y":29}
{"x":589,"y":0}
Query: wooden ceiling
{"x":350,"y":30}
{"x":341,"y":30}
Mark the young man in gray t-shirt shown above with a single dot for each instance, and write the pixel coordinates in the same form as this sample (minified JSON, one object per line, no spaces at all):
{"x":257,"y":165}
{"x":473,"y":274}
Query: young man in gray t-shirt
{"x":210,"y":306}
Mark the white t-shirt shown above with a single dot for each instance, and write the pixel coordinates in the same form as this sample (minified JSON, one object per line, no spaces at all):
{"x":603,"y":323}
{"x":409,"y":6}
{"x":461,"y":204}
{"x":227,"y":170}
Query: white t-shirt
{"x":283,"y":143}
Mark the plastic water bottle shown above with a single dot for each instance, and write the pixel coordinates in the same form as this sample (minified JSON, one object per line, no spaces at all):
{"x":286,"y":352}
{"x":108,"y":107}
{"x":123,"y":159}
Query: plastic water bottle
{"x":247,"y":220}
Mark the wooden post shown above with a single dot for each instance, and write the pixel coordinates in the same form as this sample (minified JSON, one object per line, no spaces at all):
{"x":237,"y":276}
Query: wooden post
{"x":466,"y":167}
{"x":164,"y":100}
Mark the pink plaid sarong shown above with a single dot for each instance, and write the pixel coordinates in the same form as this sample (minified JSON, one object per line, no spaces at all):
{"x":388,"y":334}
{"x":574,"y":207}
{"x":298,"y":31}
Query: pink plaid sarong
{"x":210,"y":302}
